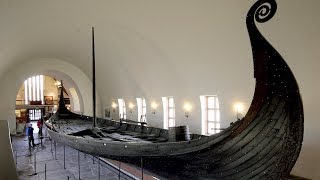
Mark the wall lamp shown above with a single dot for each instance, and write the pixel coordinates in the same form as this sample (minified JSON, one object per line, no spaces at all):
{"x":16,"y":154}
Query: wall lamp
{"x":187,"y":107}
{"x":114,"y":105}
{"x":58,"y":84}
{"x":154,"y":107}
{"x":238,"y":107}
{"x":131,"y":106}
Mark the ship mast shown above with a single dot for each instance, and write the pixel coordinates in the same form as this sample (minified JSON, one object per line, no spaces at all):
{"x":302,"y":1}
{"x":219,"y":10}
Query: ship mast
{"x":93,"y":81}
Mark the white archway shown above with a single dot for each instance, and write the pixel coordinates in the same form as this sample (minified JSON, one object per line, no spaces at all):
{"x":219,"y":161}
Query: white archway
{"x":70,"y":74}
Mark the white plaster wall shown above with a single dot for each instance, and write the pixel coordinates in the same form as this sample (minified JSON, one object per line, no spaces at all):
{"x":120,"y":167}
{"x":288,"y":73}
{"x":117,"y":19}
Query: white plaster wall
{"x":50,"y":89}
{"x":20,"y":95}
{"x":7,"y":163}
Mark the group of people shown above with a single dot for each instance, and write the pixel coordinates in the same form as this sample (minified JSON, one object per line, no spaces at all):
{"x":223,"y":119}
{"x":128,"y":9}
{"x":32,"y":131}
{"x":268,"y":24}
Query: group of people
{"x":30,"y":129}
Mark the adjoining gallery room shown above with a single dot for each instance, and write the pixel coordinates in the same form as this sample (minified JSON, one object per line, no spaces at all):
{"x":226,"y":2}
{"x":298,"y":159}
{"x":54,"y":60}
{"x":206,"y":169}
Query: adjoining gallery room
{"x":142,"y":89}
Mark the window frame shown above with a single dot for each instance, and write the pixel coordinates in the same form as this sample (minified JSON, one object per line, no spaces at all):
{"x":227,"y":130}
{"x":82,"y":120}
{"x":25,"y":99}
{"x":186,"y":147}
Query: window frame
{"x":213,"y":120}
{"x":122,"y":109}
{"x":34,"y":90}
{"x":169,"y":112}
{"x":142,"y":110}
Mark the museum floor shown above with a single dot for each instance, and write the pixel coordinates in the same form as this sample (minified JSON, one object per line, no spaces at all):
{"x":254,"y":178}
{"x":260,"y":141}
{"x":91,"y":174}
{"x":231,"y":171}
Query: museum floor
{"x":47,"y":162}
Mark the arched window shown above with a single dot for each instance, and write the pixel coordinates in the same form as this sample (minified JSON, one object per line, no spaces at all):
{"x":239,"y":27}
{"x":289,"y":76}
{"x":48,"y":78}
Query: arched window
{"x":210,"y":114}
{"x":142,"y":110}
{"x":33,"y":89}
{"x":122,"y":109}
{"x":169,"y":112}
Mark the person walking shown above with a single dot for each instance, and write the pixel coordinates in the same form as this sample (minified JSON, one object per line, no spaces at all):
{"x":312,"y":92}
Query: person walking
{"x":30,"y":135}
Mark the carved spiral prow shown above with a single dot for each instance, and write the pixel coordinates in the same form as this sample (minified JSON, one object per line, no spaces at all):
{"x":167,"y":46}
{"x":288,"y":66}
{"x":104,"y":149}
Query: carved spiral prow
{"x":274,"y":79}
{"x":263,"y":10}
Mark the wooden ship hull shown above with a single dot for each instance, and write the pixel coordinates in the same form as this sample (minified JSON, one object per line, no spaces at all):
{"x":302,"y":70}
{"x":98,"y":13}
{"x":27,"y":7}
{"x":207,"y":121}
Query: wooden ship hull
{"x":265,"y":144}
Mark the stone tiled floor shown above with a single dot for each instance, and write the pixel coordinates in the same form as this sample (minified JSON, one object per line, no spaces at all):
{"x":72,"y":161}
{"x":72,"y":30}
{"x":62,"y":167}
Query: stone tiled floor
{"x":45,"y":155}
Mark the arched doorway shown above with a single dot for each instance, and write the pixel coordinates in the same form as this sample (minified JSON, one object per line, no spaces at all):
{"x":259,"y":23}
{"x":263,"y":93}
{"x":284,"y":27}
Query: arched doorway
{"x":38,"y":97}
{"x":73,"y":78}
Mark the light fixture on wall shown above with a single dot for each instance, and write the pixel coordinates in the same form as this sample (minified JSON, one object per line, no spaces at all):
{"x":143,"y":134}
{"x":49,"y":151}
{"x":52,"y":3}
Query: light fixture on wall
{"x":131,"y":106}
{"x":154,"y":107}
{"x":114,"y":105}
{"x":58,"y":84}
{"x":187,"y":107}
{"x":238,"y":107}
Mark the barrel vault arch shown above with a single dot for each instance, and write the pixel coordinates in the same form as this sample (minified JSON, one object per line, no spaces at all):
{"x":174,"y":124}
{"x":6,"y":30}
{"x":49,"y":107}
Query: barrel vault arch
{"x":72,"y":77}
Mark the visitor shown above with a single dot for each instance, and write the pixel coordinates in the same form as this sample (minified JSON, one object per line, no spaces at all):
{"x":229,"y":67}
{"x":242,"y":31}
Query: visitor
{"x":39,"y":124}
{"x":30,"y":135}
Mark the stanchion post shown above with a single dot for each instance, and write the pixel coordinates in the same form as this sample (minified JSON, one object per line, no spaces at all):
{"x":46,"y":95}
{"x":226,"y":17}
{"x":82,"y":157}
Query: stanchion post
{"x":45,"y":171}
{"x":64,"y":156}
{"x":79,"y":163}
{"x":16,"y":153}
{"x":119,"y":170}
{"x":141,"y":168}
{"x":55,"y":150}
{"x":99,"y":167}
{"x":35,"y":164}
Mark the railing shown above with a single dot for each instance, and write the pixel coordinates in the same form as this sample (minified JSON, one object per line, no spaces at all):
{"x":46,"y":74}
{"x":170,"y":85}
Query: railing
{"x":49,"y":157}
{"x":23,"y":102}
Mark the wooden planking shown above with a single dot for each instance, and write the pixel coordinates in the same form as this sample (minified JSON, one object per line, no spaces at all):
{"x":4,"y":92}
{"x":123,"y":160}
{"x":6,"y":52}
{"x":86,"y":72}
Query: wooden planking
{"x":259,"y":138}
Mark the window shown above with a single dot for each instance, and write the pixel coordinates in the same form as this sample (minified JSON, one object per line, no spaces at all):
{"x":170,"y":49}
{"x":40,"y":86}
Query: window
{"x":169,"y":112}
{"x":26,"y":99}
{"x":210,"y":114}
{"x":33,"y":89}
{"x":35,"y":114}
{"x":122,"y":109}
{"x":142,"y":110}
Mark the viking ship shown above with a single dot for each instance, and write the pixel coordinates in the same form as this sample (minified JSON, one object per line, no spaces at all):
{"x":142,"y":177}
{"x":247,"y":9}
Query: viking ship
{"x":264,"y":144}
